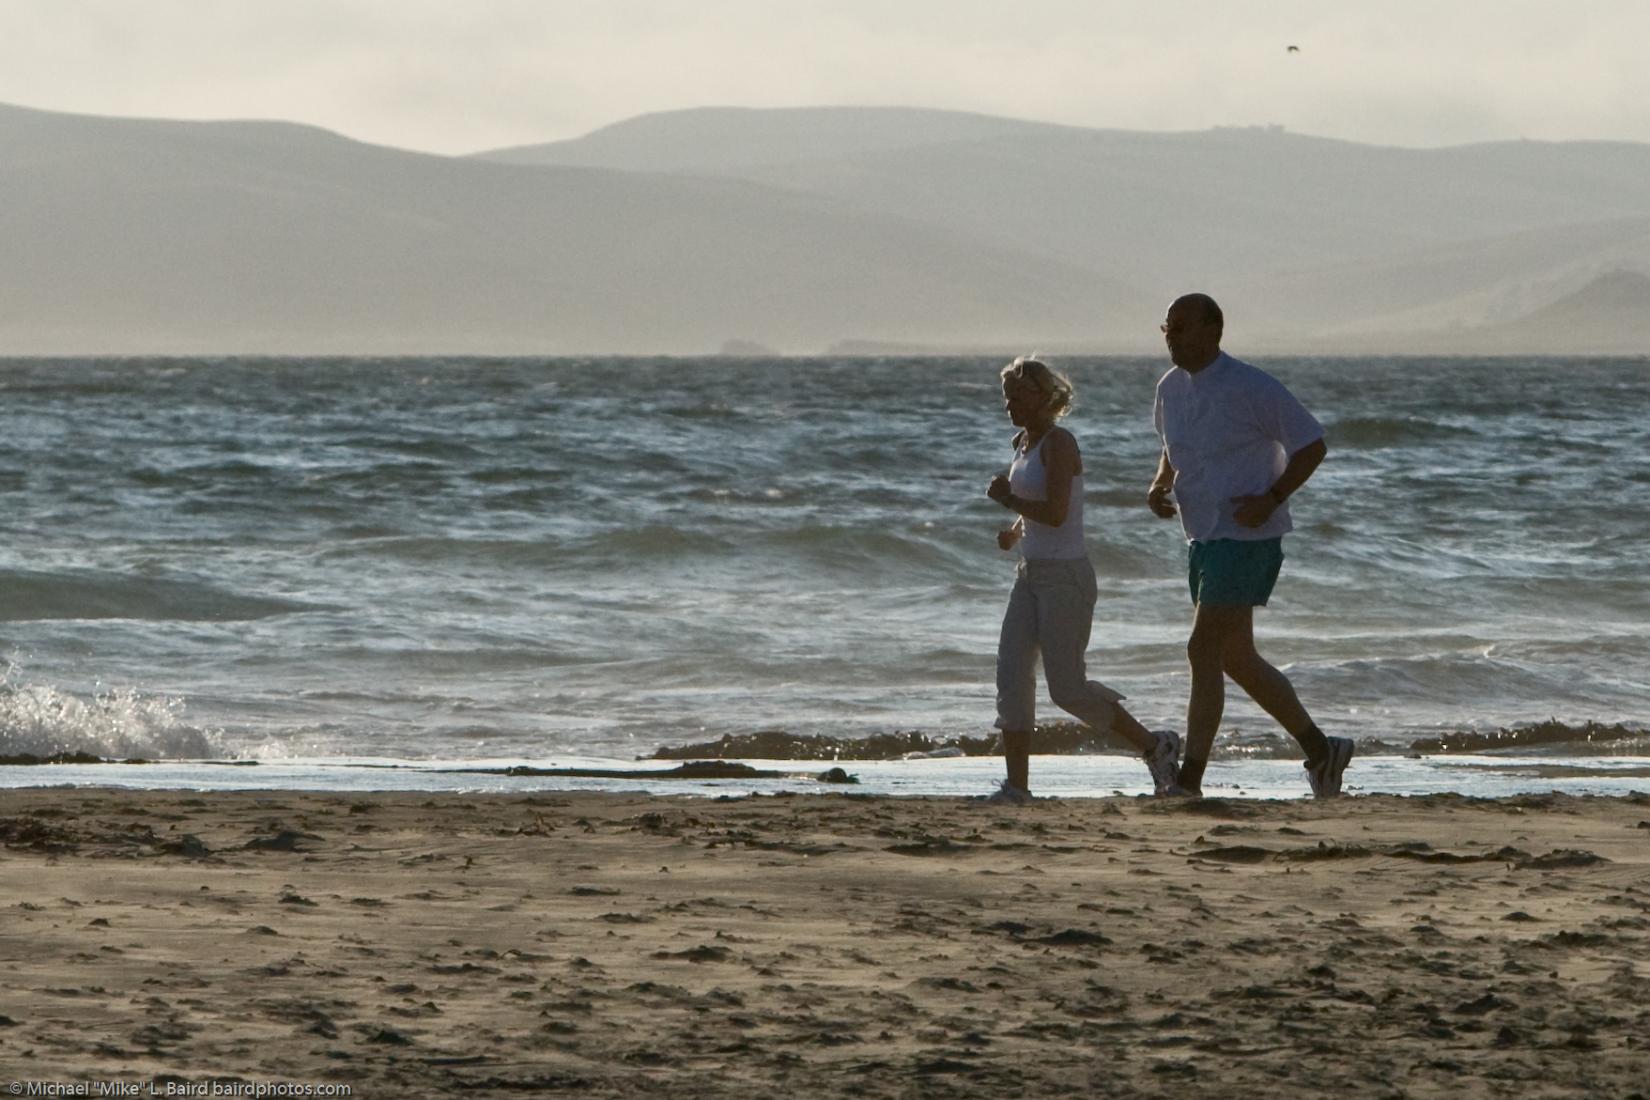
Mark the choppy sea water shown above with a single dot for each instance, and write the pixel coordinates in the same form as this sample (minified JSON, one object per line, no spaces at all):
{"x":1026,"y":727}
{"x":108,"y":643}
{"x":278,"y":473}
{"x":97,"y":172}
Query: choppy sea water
{"x":522,"y":560}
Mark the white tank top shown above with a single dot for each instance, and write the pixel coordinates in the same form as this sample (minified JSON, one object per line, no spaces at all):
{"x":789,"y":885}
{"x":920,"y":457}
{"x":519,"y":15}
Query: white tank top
{"x":1028,"y":477}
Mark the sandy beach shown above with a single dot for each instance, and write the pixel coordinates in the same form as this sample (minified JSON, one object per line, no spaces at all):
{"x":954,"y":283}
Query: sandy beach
{"x":825,"y":946}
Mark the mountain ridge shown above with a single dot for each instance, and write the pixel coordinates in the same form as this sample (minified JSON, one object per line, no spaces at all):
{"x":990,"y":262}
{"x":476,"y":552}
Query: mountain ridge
{"x":916,"y":228}
{"x":1303,"y":235}
{"x":190,"y":238}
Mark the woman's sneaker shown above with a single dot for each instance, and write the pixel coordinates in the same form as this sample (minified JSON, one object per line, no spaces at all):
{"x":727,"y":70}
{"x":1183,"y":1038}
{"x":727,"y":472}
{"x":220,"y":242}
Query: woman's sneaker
{"x":1325,"y":775}
{"x":1164,"y":761}
{"x":1009,"y":795}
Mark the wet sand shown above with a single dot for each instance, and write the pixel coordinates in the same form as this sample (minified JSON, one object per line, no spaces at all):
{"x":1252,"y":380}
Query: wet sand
{"x":828,"y":946}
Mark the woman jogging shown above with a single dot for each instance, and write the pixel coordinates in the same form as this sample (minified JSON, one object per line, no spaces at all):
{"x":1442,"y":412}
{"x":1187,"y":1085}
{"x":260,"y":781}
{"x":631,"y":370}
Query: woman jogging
{"x":1052,"y":604}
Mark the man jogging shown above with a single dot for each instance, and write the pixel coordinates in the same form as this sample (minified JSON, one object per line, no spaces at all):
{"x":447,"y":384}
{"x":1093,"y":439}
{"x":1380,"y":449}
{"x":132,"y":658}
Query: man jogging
{"x":1235,"y":444}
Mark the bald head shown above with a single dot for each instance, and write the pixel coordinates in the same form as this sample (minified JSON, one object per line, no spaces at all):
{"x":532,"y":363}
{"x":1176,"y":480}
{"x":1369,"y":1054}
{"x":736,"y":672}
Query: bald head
{"x":1205,"y":305}
{"x":1192,"y":329}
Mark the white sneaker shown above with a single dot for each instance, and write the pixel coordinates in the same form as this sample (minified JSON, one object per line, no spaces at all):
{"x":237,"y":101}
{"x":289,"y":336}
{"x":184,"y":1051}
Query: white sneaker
{"x":1164,"y":761}
{"x":1007,"y":794}
{"x":1325,"y":775}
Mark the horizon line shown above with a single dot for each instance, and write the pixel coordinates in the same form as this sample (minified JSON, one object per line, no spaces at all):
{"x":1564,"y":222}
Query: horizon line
{"x":1267,"y":128}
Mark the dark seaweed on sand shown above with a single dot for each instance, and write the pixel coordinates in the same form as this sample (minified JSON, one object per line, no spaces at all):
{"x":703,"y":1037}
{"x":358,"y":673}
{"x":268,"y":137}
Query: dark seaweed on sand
{"x":1059,"y":738}
{"x":1067,"y":738}
{"x":1550,"y":732}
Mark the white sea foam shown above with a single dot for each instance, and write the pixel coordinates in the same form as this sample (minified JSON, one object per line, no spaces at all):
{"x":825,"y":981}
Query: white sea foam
{"x":122,"y":723}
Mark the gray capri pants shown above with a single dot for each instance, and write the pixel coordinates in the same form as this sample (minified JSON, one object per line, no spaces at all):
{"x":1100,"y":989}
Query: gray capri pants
{"x":1050,"y":611}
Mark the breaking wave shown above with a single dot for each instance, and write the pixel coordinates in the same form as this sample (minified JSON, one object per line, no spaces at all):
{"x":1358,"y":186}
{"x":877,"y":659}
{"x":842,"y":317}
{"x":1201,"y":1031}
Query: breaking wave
{"x":38,"y":720}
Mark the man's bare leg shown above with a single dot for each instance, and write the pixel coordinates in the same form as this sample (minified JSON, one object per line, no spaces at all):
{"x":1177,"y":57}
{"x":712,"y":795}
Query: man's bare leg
{"x":1269,"y":688}
{"x":1223,"y":644}
{"x":1212,"y":625}
{"x":1261,"y":681}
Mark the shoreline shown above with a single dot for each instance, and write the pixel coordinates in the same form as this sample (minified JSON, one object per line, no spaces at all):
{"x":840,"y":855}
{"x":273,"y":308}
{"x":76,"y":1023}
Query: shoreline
{"x":1088,"y":776}
{"x":838,"y":945}
{"x":792,"y":753}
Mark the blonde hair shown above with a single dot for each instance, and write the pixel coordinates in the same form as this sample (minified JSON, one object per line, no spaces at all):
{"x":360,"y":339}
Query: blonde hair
{"x":1029,"y":368}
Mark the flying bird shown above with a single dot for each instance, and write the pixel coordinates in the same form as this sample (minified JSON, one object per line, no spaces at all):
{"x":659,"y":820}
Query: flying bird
{"x":1294,"y":49}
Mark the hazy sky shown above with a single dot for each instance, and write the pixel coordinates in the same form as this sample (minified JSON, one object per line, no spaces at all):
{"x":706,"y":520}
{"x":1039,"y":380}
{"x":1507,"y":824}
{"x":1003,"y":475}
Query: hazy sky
{"x":465,"y":75}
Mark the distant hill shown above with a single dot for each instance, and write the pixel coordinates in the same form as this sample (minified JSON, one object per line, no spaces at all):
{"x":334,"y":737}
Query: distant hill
{"x":127,"y":236}
{"x":797,"y":230}
{"x":718,"y":140}
{"x":1308,"y":239}
{"x":1458,"y":287}
{"x":1611,"y":313}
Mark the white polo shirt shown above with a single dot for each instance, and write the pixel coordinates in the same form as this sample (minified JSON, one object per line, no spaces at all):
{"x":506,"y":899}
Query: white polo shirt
{"x":1229,"y":430}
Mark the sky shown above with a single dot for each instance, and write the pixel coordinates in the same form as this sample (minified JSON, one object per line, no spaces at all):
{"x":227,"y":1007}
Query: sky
{"x":459,"y":76}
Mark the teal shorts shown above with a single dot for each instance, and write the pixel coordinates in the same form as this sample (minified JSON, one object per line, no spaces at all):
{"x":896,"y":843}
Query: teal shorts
{"x":1233,"y":571}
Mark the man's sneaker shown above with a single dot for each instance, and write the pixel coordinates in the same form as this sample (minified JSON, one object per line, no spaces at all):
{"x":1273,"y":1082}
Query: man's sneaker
{"x":1009,"y":795}
{"x":1164,"y":761}
{"x":1325,"y":775}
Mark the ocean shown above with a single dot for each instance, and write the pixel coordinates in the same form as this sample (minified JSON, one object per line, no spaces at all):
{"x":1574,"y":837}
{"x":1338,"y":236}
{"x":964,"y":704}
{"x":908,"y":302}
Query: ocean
{"x":316,"y":563}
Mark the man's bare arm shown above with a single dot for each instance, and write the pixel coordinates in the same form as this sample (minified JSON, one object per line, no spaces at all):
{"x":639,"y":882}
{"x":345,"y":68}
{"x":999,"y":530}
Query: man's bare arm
{"x":1252,"y":511}
{"x":1157,"y":497}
